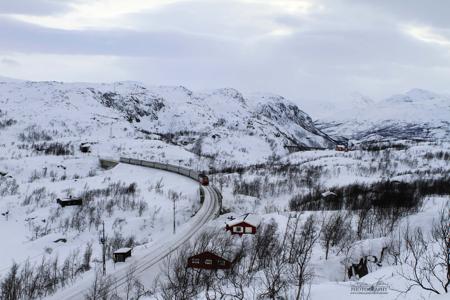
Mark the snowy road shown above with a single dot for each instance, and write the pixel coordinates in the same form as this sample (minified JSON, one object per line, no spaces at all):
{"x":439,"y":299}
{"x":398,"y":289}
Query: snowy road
{"x":148,"y":262}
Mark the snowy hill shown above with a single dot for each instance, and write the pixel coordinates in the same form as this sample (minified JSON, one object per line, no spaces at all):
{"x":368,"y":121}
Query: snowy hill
{"x":223,"y":123}
{"x":416,"y":114}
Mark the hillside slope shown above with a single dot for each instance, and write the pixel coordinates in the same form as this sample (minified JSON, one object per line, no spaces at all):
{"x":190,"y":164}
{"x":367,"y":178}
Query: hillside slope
{"x":416,"y":114}
{"x":221,"y":124}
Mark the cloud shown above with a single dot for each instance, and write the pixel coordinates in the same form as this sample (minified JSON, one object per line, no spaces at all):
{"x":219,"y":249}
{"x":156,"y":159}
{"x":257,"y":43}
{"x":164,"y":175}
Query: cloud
{"x":432,"y":13}
{"x":9,"y":62}
{"x":17,"y":36}
{"x":34,"y":7}
{"x":321,"y":49}
{"x":428,"y":35}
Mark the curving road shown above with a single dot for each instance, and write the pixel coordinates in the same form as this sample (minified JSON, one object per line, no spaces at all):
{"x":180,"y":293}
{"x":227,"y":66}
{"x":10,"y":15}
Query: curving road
{"x":209,"y":210}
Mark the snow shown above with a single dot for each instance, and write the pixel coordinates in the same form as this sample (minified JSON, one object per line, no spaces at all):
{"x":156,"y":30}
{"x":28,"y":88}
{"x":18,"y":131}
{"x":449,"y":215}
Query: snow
{"x":250,"y":219}
{"x":148,"y":229}
{"x":122,"y":250}
{"x":414,"y":114}
{"x":234,"y":129}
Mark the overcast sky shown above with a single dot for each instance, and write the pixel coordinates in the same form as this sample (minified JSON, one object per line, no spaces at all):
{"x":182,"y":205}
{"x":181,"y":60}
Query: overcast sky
{"x":304,"y":49}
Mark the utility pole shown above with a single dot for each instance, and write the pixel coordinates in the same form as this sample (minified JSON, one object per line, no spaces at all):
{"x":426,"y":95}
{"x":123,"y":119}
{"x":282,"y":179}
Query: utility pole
{"x":103,"y":242}
{"x":174,"y":223}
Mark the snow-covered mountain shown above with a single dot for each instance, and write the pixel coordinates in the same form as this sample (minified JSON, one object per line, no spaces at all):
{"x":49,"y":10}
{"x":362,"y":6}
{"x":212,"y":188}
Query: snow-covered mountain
{"x":222,"y":123}
{"x":416,"y":114}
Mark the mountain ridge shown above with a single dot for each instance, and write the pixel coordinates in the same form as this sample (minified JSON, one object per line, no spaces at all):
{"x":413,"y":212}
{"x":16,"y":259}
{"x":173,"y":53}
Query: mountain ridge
{"x":416,"y":114}
{"x":225,"y":123}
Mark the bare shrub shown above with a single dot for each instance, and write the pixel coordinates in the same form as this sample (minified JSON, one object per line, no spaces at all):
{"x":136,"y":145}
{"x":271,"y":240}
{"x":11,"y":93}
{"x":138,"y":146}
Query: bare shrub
{"x":34,"y":133}
{"x":424,"y":262}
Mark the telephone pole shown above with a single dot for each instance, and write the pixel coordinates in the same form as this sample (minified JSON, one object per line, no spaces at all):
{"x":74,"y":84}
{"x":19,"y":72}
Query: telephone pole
{"x":174,"y":223}
{"x":103,"y":242}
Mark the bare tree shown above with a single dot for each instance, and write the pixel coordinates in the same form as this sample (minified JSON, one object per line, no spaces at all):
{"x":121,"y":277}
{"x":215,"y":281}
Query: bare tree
{"x":264,"y":244}
{"x":334,"y":229}
{"x":274,"y":279}
{"x":177,"y":281}
{"x":134,"y":289}
{"x":440,"y":234}
{"x":11,"y":286}
{"x":300,"y":270}
{"x":101,"y":288}
{"x":425,"y":260}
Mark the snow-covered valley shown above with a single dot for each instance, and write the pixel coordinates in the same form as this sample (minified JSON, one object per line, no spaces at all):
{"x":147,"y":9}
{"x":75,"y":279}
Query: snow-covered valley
{"x":375,"y":198}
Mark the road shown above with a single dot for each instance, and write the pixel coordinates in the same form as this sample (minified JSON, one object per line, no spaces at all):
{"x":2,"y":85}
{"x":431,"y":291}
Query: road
{"x":150,"y":261}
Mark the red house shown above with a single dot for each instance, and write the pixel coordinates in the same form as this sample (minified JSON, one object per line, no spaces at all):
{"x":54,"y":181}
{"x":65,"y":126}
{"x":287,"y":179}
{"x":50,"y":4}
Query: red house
{"x":246,"y":224}
{"x":208,"y":260}
{"x":341,"y":148}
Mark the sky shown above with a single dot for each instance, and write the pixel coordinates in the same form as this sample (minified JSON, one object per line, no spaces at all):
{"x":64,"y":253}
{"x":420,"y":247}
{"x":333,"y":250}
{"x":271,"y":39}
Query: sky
{"x":306,"y":50}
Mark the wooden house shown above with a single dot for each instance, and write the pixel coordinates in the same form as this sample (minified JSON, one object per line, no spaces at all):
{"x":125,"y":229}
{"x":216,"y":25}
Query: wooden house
{"x":208,"y":260}
{"x":120,"y":255}
{"x":246,"y":224}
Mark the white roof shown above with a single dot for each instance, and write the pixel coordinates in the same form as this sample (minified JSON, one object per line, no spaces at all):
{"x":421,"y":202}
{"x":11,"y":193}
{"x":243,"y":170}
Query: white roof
{"x":328,"y":193}
{"x":69,"y":199}
{"x":123,"y":250}
{"x":251,"y":219}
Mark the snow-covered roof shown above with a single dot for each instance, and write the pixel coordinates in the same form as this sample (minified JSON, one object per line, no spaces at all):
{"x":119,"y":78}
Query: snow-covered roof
{"x":68,"y":199}
{"x":251,"y":219}
{"x":328,"y":193}
{"x":122,"y":250}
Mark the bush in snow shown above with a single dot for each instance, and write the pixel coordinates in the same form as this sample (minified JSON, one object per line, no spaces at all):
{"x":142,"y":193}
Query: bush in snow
{"x":36,"y":281}
{"x":34,"y":133}
{"x":8,"y":186}
{"x":424,"y":259}
{"x":54,"y":148}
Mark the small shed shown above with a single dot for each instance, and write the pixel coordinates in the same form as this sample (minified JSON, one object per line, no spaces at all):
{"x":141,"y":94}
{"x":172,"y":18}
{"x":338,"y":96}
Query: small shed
{"x":71,"y":201}
{"x":246,"y":224}
{"x":209,"y":261}
{"x":85,"y":147}
{"x":120,"y":255}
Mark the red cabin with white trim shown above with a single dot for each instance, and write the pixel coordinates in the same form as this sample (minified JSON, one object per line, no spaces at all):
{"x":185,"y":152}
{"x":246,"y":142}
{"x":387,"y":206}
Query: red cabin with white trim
{"x":246,"y":224}
{"x":208,"y":260}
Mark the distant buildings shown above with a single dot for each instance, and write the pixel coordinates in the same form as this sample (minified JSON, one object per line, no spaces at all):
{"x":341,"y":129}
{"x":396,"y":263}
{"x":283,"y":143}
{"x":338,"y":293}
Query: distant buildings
{"x":341,"y":148}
